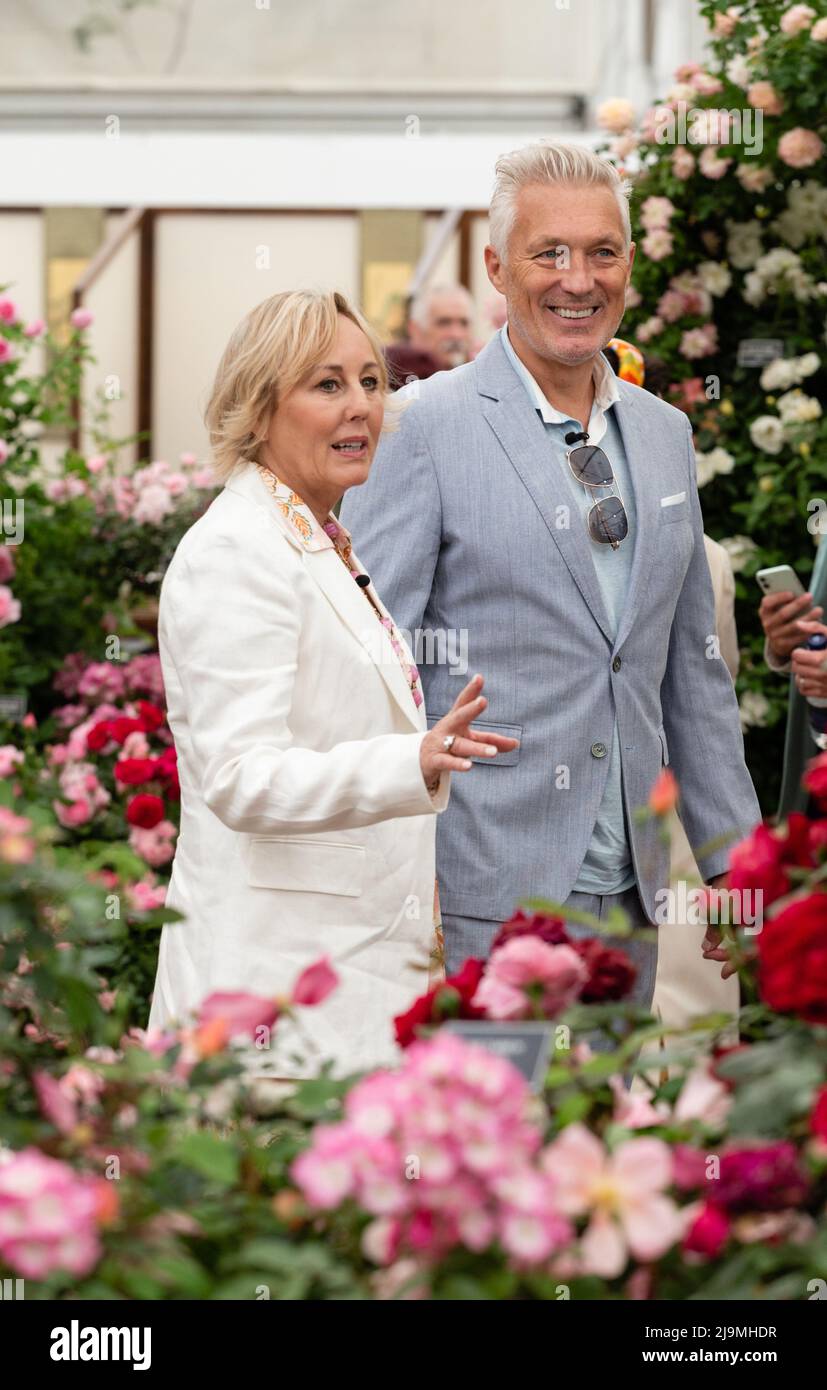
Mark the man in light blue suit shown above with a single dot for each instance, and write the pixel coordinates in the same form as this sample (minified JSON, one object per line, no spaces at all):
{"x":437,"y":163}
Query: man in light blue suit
{"x":535,"y":506}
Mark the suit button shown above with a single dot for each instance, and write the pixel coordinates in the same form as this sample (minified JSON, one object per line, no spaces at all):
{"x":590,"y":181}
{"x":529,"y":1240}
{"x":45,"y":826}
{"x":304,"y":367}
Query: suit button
{"x":599,"y":750}
{"x":616,"y":664}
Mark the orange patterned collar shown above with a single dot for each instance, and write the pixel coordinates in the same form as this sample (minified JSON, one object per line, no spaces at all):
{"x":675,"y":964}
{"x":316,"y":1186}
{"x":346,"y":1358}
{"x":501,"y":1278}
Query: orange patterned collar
{"x":311,"y":533}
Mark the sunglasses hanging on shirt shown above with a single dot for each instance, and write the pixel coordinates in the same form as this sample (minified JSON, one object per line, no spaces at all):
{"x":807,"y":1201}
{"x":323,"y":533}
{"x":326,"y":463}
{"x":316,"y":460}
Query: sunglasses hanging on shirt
{"x":607,"y":520}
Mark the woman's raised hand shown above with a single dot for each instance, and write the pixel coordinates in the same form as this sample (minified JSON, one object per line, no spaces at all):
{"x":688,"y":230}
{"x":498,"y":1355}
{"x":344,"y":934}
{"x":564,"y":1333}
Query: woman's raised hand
{"x":434,"y":758}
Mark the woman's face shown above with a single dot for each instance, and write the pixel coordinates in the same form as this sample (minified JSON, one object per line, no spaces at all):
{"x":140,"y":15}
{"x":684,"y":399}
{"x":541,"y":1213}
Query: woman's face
{"x":321,"y":438}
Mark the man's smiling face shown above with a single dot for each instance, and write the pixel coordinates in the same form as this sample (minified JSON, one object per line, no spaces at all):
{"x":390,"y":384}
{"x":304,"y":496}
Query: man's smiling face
{"x":566,"y":270}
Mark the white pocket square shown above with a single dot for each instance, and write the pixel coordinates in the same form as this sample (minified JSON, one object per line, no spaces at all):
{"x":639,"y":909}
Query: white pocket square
{"x":672,"y":501}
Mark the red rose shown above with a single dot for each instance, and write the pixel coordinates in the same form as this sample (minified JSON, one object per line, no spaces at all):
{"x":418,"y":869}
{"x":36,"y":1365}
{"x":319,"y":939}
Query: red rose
{"x":815,"y":779}
{"x":818,"y":1118}
{"x":98,"y":736}
{"x":552,"y":930}
{"x":763,"y":859}
{"x":417,"y":1016}
{"x":151,"y":716}
{"x":611,"y":973}
{"x":122,"y":727}
{"x":708,"y":1233}
{"x":792,"y":956}
{"x":145,"y":811}
{"x":134,"y":771}
{"x":450,"y":999}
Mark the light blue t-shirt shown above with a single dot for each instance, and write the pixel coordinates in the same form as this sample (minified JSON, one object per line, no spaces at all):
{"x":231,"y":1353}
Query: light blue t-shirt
{"x":607,"y":866}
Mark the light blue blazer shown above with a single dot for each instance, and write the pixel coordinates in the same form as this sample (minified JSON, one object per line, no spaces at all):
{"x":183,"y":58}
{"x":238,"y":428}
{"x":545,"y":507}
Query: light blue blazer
{"x":465,"y":524}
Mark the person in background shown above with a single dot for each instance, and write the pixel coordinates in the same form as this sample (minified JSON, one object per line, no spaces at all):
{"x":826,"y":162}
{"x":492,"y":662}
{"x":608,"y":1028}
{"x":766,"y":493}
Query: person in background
{"x":788,"y":621}
{"x":440,"y":335}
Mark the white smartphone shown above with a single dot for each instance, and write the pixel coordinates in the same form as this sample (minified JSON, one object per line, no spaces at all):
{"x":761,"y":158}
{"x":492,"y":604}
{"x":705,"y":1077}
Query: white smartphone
{"x":780,"y":579}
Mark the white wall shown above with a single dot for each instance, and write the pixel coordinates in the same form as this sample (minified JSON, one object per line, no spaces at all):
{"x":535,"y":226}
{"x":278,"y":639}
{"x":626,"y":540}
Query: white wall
{"x":113,"y":339}
{"x":210,"y":270}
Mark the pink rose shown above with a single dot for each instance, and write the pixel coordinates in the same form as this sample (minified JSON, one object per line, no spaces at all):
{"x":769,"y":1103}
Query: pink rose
{"x":657,"y":245}
{"x":616,"y":115}
{"x":699,"y":342}
{"x":240,"y":1014}
{"x":754,"y":177}
{"x":656,"y":213}
{"x":796,"y":19}
{"x":34,"y":329}
{"x":10,"y":758}
{"x":4,"y":448}
{"x":8,"y":311}
{"x":6,"y":350}
{"x":764,"y":97}
{"x":78,"y":813}
{"x":683,"y":163}
{"x":81,"y":318}
{"x":315,"y":983}
{"x":6,"y":563}
{"x":525,"y":975}
{"x":96,"y":463}
{"x":799,"y":148}
{"x":711,"y":165}
{"x":10,"y":609}
{"x":818,"y":33}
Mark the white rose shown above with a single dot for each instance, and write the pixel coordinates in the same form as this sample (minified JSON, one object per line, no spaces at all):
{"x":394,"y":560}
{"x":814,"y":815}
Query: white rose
{"x":754,"y":708}
{"x":767,"y":433}
{"x":714,"y":277}
{"x":779,"y":374}
{"x":721,"y":460}
{"x":795,"y":408}
{"x":739,"y":549}
{"x":808,"y":364}
{"x":737,"y":70}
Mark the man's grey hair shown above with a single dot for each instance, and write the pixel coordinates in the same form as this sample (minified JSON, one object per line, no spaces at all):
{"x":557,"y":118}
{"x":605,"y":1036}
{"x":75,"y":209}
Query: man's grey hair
{"x":545,"y":163}
{"x":421,"y":302}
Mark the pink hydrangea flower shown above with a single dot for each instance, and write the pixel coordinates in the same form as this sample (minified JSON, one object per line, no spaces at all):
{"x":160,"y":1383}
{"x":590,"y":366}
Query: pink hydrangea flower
{"x":441,"y":1153}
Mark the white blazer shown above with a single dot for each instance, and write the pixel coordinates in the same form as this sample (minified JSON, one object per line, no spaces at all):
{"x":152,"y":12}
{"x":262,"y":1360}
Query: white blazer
{"x":306,"y":826}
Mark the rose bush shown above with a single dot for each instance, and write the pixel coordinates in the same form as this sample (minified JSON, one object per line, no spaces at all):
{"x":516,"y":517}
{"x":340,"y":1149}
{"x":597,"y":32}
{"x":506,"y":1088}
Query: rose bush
{"x":731,"y":221}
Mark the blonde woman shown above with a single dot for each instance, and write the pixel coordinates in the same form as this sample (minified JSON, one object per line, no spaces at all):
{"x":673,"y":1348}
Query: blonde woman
{"x":310,"y":783}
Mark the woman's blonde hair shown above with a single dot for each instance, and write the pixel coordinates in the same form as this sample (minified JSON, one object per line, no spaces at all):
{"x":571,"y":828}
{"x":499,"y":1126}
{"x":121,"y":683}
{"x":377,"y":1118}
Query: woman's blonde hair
{"x":272,"y":349}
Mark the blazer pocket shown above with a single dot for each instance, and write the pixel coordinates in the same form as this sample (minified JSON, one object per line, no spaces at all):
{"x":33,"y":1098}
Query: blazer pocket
{"x":677,"y":511}
{"x":306,"y":866}
{"x":507,"y":759}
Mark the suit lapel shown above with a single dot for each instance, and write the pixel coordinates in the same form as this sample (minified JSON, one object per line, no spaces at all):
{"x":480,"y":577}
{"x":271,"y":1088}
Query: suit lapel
{"x":522,"y":435}
{"x":354,"y":609}
{"x":647,"y":508}
{"x":338,"y":587}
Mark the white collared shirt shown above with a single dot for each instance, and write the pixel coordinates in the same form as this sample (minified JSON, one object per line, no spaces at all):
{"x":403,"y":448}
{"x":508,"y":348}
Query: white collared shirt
{"x":605,"y":392}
